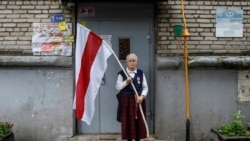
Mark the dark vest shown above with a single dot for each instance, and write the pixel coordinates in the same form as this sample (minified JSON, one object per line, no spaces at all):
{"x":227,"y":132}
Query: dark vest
{"x":137,"y":81}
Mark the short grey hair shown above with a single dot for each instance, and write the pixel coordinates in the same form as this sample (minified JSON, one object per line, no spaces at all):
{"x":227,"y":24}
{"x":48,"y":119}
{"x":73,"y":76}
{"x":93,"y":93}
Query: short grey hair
{"x":132,"y":55}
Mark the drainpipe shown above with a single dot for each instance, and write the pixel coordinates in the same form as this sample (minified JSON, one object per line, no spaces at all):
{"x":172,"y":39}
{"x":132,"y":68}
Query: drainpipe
{"x":232,"y":62}
{"x":204,"y":62}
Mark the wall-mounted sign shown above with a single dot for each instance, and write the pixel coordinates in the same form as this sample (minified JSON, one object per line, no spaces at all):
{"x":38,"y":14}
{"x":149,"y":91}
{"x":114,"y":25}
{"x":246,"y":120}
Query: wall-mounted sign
{"x":56,"y":18}
{"x":229,"y":23}
{"x":86,"y":12}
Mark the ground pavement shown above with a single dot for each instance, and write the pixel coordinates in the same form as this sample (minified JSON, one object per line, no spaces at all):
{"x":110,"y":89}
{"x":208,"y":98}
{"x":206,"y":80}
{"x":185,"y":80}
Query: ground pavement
{"x":106,"y":137}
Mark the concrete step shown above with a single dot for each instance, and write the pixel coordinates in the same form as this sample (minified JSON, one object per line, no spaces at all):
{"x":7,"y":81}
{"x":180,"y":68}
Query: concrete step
{"x":104,"y":137}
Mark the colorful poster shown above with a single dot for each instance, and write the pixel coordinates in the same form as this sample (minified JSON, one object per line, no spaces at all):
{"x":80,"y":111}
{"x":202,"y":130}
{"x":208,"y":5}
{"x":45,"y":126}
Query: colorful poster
{"x":50,"y":39}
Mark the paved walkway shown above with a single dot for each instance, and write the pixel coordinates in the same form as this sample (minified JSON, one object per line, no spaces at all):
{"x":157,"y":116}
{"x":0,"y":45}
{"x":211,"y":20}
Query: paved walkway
{"x":106,"y":137}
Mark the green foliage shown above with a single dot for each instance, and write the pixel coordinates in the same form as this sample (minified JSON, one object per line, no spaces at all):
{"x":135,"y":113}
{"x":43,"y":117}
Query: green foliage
{"x":5,"y":128}
{"x":235,"y":128}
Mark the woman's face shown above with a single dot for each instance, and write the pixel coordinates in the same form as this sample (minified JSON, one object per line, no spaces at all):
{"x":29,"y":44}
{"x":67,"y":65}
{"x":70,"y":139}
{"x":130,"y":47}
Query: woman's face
{"x":131,"y":63}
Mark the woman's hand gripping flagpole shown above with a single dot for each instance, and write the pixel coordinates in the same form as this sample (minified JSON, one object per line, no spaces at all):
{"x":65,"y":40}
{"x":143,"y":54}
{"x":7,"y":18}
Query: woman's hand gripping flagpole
{"x":137,"y":95}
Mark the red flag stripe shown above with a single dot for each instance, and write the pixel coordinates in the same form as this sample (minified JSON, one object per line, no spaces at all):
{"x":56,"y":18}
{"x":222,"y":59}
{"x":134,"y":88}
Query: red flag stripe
{"x":92,"y":46}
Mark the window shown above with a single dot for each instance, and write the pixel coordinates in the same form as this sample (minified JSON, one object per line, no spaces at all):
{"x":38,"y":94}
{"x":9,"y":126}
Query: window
{"x":124,"y":48}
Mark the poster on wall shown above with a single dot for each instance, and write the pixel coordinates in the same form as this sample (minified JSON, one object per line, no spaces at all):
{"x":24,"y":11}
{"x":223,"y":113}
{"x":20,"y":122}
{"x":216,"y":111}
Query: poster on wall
{"x":229,"y":23}
{"x":52,"y":39}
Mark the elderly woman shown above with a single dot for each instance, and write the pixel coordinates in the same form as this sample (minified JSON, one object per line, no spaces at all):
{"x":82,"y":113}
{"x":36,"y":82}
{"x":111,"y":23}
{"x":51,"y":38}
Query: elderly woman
{"x":132,"y":124}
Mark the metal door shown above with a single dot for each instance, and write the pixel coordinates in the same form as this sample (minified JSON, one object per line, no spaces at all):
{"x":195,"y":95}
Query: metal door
{"x":138,"y":32}
{"x":133,"y":22}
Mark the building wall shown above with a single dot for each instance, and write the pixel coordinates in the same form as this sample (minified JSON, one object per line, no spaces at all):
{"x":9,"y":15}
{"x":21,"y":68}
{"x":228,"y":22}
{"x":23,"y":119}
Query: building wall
{"x":213,"y":97}
{"x":201,"y":19}
{"x":36,"y":91}
{"x":16,"y":22}
{"x":214,"y":87}
{"x":213,"y":91}
{"x":38,"y":102}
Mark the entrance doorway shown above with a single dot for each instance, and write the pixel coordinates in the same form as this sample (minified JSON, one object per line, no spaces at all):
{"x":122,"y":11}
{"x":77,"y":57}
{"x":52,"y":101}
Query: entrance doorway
{"x":126,"y":35}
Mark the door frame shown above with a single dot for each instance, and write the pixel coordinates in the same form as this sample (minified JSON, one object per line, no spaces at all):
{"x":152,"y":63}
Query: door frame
{"x":149,"y":16}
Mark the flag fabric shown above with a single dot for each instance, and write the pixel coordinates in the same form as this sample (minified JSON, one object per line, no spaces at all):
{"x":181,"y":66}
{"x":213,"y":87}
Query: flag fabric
{"x":91,"y":57}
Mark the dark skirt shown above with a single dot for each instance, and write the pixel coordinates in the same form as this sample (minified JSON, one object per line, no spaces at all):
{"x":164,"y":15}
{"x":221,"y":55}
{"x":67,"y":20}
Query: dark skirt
{"x":128,"y":118}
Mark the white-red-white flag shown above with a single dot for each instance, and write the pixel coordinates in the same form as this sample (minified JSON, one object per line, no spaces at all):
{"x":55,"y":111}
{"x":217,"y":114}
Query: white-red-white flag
{"x":91,"y":57}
